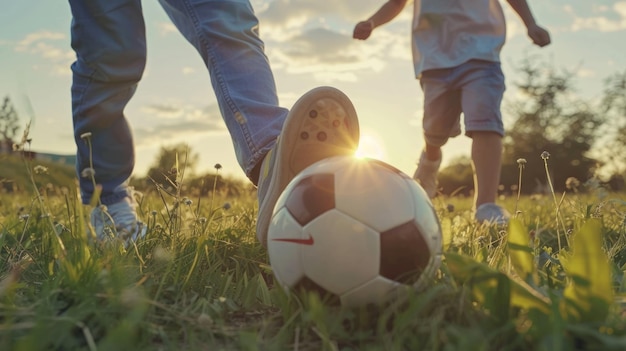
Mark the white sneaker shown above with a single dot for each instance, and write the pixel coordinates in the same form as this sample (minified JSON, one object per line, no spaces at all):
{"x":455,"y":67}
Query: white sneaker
{"x":426,"y":174}
{"x":492,"y":214}
{"x":118,"y":220}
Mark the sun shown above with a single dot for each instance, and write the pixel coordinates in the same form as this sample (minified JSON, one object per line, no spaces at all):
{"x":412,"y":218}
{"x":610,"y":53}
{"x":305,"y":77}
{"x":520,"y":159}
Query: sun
{"x":370,"y":146}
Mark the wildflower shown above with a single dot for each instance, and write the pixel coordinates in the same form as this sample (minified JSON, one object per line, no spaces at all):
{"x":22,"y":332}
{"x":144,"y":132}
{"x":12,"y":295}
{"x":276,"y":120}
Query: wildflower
{"x":226,"y":206}
{"x":130,"y":297}
{"x":572,"y":183}
{"x":162,"y":255}
{"x":39,"y":169}
{"x":202,"y":220}
{"x":205,"y":319}
{"x":218,"y":166}
{"x":85,"y":135}
{"x":187,"y":201}
{"x":545,"y":155}
{"x":521,"y":162}
{"x":88,"y":173}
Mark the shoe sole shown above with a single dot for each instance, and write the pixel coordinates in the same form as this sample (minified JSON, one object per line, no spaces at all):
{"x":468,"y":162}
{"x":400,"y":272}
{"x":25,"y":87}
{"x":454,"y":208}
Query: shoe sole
{"x":321,"y":124}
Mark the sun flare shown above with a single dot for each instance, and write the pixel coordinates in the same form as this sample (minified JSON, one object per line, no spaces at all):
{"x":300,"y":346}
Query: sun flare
{"x":370,"y":146}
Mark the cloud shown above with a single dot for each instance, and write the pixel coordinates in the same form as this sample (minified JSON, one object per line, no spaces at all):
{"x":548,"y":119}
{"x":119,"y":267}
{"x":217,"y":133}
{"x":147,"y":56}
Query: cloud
{"x":188,"y":70}
{"x":166,"y":28}
{"x":604,"y":19}
{"x":315,"y":38}
{"x":173,"y":122}
{"x":52,"y":47}
{"x":286,"y":13}
{"x":38,"y":37}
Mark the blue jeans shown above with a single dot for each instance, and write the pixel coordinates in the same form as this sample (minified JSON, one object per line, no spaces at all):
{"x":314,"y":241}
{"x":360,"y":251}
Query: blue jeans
{"x":108,"y":37}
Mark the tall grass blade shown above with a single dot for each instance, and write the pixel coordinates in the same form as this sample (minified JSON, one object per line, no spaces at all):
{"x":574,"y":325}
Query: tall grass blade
{"x":589,"y":292}
{"x":487,"y":284}
{"x":519,"y":251}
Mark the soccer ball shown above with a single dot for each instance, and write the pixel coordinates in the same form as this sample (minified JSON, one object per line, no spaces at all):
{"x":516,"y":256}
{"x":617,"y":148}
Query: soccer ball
{"x":357,"y":230}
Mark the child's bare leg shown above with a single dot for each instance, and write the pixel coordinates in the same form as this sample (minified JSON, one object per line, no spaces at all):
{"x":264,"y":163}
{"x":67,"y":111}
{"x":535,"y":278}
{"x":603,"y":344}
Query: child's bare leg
{"x":433,"y":153}
{"x":486,"y":161}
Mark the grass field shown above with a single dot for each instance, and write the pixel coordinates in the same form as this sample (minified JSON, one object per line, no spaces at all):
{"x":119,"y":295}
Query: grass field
{"x":554,"y":280}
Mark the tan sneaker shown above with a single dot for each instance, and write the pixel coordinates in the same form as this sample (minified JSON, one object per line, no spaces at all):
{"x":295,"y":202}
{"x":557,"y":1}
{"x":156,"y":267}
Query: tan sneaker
{"x":426,"y":174}
{"x":321,"y":124}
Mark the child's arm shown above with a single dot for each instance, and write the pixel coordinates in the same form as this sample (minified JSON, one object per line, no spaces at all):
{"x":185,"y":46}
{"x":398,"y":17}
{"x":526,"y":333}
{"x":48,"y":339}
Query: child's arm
{"x":539,"y":35}
{"x":385,"y":14}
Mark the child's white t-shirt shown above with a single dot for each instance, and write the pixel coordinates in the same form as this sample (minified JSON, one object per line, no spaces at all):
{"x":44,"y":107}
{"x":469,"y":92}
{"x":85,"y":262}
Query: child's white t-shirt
{"x":447,"y":33}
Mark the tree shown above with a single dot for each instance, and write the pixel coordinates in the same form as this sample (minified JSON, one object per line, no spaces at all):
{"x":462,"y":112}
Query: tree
{"x":8,"y":125}
{"x":458,"y":177}
{"x":548,"y":117}
{"x":171,"y":163}
{"x":611,"y":148}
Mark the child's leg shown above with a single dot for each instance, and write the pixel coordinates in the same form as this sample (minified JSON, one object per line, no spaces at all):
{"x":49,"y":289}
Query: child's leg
{"x":486,"y":161}
{"x":442,"y":110}
{"x":482,"y":85}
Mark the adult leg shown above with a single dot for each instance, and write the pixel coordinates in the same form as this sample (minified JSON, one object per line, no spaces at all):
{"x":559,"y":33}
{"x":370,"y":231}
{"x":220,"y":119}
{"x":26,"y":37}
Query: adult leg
{"x":108,"y":37}
{"x":225,"y":33}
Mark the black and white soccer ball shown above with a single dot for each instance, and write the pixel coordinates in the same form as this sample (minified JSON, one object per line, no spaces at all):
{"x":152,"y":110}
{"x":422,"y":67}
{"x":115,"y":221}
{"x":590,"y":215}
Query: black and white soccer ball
{"x":357,"y":230}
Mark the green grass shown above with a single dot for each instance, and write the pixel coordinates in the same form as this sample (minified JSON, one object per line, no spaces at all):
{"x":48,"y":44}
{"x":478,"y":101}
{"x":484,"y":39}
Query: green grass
{"x":200,"y":281}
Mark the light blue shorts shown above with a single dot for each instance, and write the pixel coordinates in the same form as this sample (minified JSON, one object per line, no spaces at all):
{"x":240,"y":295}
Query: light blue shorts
{"x":474,"y":88}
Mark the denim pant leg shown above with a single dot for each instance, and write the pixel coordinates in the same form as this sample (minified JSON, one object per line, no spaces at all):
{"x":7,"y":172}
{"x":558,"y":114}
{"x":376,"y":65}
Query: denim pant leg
{"x":108,"y":37}
{"x":225,"y":33}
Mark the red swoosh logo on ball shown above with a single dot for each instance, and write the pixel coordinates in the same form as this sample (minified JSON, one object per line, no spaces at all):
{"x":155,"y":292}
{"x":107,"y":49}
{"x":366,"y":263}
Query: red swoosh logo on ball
{"x":308,"y":241}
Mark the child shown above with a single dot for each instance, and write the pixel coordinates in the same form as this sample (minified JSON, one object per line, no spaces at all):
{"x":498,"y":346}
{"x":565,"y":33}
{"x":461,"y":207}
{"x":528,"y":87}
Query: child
{"x":456,"y":55}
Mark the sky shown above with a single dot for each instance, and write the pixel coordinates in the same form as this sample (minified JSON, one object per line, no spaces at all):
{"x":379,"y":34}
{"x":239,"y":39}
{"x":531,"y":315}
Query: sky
{"x":309,"y":43}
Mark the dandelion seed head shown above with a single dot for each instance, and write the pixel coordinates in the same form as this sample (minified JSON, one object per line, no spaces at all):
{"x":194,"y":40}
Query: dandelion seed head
{"x":572,"y":183}
{"x":545,"y":155}
{"x":205,"y":319}
{"x":153,"y":213}
{"x":202,"y":220}
{"x":39,"y":169}
{"x":24,"y":217}
{"x":218,"y":166}
{"x":130,"y":297}
{"x":88,"y":172}
{"x":188,"y":202}
{"x":162,"y":255}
